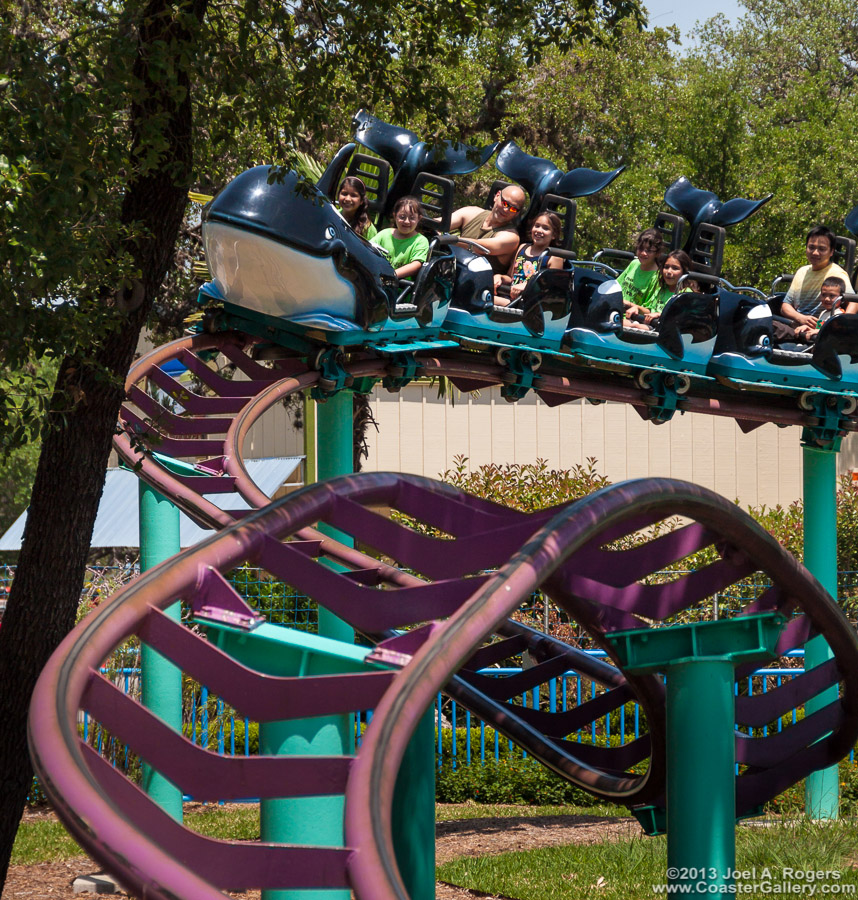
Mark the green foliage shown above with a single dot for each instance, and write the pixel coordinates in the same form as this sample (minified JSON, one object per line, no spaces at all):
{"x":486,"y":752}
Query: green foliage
{"x":525,"y":486}
{"x":511,"y":778}
{"x":506,"y":781}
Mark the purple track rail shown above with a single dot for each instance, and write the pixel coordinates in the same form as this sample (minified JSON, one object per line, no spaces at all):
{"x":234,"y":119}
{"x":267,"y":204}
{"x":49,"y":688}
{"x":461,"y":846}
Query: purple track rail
{"x":595,"y":559}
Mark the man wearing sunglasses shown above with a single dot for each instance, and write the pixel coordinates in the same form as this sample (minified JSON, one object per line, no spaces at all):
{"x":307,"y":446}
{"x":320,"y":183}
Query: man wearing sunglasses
{"x":494,"y":228}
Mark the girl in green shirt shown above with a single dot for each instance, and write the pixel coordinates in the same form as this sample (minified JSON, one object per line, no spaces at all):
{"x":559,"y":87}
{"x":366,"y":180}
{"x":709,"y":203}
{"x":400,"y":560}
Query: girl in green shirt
{"x":639,"y":281}
{"x":406,"y":248}
{"x":676,"y":264}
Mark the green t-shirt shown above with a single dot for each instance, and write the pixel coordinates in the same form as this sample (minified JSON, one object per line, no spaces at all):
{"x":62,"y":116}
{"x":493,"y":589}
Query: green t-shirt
{"x":638,"y":286}
{"x":664,"y":294}
{"x":402,"y":252}
{"x":370,"y":233}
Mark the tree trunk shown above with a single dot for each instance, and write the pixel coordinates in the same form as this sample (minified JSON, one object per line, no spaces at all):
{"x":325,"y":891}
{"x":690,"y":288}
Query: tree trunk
{"x":70,"y":475}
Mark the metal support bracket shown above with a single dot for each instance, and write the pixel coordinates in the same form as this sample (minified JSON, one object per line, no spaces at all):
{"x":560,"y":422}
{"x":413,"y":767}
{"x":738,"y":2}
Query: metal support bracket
{"x":332,"y":375}
{"x":401,"y":371}
{"x":520,"y":376}
{"x":663,"y":392}
{"x":831,"y":414}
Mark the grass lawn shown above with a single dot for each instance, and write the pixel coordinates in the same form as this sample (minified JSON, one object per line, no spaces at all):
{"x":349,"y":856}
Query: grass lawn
{"x":627,"y":870}
{"x":46,"y":840}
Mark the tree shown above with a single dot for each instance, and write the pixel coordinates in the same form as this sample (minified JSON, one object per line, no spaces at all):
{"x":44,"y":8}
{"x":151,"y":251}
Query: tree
{"x":110,"y":113}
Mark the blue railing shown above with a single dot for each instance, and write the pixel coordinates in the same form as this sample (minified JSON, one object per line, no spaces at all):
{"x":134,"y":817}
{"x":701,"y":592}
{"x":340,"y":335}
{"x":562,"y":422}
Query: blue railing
{"x":462,"y":738}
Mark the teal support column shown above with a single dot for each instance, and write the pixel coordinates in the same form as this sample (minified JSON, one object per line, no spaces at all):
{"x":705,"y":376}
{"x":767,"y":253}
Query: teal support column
{"x":335,"y":456}
{"x":699,"y":661}
{"x":701,"y":775}
{"x":162,"y":680}
{"x":822,"y":789}
{"x":414,"y":812}
{"x":277,"y":650}
{"x":315,"y":820}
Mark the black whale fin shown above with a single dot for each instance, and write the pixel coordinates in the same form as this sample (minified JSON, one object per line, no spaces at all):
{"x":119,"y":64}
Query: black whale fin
{"x":390,"y":142}
{"x":531,"y":171}
{"x":851,"y":220}
{"x":703,"y":206}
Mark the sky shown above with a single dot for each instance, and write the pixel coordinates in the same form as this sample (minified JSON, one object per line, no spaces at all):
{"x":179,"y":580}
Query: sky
{"x":685,"y":13}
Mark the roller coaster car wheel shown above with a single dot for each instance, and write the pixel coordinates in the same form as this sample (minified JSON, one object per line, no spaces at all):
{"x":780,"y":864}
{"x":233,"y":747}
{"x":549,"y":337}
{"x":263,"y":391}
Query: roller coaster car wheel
{"x":683,"y":384}
{"x":805,"y":401}
{"x":502,"y":356}
{"x":532,"y":359}
{"x":850,"y":406}
{"x":210,"y":321}
{"x":644,"y":379}
{"x":339,"y":357}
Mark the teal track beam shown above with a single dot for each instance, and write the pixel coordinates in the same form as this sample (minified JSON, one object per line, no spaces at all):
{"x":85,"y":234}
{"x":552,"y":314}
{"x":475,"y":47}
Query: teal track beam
{"x":162,"y":680}
{"x":822,"y":788}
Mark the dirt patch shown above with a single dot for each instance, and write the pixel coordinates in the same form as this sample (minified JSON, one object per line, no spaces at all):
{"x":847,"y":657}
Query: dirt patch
{"x":466,"y":837}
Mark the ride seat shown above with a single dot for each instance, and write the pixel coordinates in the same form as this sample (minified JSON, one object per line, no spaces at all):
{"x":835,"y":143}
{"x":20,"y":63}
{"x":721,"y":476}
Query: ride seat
{"x":545,"y":298}
{"x":671,"y":228}
{"x":432,"y":287}
{"x":706,"y":248}
{"x":566,"y":210}
{"x":844,"y":253}
{"x":436,"y":197}
{"x":374,"y":172}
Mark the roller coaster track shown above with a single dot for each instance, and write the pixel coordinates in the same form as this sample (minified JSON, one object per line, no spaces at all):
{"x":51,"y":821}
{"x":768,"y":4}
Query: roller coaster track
{"x":438,"y":613}
{"x":217,"y":415}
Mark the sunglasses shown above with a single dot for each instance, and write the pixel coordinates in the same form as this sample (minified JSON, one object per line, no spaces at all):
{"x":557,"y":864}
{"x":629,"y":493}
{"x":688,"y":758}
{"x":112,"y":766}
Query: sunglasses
{"x":509,"y":207}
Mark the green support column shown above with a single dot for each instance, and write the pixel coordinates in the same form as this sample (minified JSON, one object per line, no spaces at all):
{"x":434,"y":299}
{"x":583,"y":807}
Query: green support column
{"x":699,"y":661}
{"x":315,"y":820}
{"x":162,"y":680}
{"x":822,"y":789}
{"x":414,"y":797}
{"x":309,"y":439}
{"x":701,"y":774}
{"x":335,"y":457}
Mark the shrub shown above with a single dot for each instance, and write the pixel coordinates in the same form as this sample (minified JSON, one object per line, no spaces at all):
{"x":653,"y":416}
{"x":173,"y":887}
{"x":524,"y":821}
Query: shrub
{"x":506,"y":781}
{"x":526,"y":486}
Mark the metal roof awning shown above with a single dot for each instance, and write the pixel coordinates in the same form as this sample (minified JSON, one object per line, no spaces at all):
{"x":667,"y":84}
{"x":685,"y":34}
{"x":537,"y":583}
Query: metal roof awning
{"x":116,"y":524}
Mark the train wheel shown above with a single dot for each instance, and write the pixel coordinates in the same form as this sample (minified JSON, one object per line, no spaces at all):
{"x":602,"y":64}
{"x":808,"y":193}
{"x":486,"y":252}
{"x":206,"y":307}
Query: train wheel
{"x":805,"y":401}
{"x":644,"y":379}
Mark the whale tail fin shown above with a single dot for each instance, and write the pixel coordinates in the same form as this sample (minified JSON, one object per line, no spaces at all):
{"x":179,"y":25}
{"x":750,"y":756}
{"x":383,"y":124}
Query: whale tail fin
{"x":700,"y":206}
{"x":390,"y":142}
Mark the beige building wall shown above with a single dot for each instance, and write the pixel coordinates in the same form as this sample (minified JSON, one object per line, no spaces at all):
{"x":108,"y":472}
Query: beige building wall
{"x":420,"y":433}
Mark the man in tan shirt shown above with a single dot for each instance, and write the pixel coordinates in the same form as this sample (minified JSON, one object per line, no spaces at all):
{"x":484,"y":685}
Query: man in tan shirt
{"x":493,"y":228}
{"x":801,"y":304}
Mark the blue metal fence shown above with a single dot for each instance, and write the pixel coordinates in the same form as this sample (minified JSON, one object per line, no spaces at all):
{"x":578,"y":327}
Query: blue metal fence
{"x":463,"y":739}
